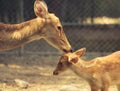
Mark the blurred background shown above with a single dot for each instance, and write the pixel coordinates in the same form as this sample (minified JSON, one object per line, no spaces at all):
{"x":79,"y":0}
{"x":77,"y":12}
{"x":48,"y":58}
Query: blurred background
{"x":94,"y":24}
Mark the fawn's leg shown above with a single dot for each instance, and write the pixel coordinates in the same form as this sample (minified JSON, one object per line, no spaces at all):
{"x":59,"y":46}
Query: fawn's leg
{"x":118,"y":87}
{"x":105,"y":86}
{"x":106,"y":80}
{"x":95,"y":84}
{"x":93,"y":87}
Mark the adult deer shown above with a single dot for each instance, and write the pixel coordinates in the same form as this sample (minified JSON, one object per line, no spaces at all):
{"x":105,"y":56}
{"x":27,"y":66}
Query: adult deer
{"x":46,"y":26}
{"x":100,"y":72}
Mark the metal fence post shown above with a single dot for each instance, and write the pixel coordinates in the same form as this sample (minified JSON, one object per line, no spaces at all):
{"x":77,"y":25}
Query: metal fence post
{"x":21,"y":19}
{"x":92,"y":11}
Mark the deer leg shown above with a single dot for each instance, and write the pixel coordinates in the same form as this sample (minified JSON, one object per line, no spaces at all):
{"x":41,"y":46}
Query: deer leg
{"x":105,"y":86}
{"x":105,"y":82}
{"x":94,"y":87}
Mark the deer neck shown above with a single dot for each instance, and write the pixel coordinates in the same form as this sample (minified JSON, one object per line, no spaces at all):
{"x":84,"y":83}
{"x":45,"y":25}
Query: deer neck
{"x":28,"y":29}
{"x":83,"y":68}
{"x":86,"y":70}
{"x":15,"y":35}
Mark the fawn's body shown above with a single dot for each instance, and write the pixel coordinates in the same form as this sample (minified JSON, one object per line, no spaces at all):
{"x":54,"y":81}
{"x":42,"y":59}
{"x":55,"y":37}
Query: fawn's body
{"x":46,"y":26}
{"x":100,"y":72}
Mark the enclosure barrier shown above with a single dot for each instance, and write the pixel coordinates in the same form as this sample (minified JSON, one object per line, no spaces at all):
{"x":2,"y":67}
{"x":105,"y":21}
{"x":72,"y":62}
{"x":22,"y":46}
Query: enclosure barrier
{"x":94,"y":24}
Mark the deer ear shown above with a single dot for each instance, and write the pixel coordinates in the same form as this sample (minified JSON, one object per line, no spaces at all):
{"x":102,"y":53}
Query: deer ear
{"x":74,"y":60}
{"x":80,"y":52}
{"x":40,"y":8}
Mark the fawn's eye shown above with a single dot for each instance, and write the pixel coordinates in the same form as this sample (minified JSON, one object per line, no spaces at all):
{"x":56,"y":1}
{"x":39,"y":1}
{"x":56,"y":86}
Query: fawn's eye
{"x":61,"y":64}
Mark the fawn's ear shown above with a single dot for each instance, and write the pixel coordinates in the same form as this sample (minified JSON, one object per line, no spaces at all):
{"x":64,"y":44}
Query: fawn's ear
{"x":40,"y":8}
{"x":74,"y":60}
{"x":80,"y":52}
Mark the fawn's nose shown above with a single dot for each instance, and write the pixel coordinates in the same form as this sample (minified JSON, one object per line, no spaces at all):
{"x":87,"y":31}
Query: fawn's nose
{"x":55,"y":73}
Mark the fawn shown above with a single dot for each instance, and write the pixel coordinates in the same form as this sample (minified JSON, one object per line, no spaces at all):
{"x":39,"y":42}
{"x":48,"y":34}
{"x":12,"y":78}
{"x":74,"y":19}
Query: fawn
{"x":45,"y":26}
{"x":100,"y":72}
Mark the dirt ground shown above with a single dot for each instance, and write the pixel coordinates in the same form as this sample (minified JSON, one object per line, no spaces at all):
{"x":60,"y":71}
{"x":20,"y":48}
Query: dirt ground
{"x":37,"y":71}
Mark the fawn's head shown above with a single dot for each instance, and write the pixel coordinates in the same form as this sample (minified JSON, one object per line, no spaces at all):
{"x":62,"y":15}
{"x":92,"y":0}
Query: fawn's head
{"x":52,"y":30}
{"x":67,"y":60}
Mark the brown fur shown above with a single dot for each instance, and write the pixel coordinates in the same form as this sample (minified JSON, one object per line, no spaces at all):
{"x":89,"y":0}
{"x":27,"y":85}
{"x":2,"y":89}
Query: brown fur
{"x":100,"y":72}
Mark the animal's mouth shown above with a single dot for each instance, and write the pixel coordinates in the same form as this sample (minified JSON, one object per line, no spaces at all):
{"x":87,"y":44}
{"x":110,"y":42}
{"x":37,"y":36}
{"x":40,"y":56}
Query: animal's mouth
{"x":66,"y":51}
{"x":66,"y":46}
{"x":55,"y":73}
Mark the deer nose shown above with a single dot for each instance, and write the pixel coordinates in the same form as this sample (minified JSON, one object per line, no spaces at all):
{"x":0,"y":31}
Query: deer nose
{"x":66,"y":51}
{"x":55,"y":73}
{"x":71,"y":50}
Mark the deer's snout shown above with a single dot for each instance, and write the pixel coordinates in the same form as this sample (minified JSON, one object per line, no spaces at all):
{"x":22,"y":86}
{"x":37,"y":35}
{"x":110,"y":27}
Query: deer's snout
{"x":66,"y":51}
{"x":55,"y":73}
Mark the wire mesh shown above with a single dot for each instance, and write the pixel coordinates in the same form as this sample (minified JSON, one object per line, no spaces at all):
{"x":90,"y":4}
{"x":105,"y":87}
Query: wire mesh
{"x":94,"y":24}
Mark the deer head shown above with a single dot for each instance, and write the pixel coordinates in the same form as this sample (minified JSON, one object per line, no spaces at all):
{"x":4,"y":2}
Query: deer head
{"x":68,"y":59}
{"x":52,"y":30}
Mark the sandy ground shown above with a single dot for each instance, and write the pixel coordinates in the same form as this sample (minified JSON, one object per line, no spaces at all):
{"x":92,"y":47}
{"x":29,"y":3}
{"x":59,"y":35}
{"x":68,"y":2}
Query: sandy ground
{"x":38,"y":72}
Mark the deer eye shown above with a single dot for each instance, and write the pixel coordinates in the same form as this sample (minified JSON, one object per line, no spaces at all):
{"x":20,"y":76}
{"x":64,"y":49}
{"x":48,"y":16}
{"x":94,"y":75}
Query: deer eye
{"x":61,"y":64}
{"x":59,"y":28}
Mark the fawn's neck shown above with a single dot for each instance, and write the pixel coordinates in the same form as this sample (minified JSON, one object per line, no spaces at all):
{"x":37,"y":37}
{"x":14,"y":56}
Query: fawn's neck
{"x":83,"y":68}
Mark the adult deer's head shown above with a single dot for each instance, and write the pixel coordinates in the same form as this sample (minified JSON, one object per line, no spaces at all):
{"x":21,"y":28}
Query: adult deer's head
{"x":52,"y":30}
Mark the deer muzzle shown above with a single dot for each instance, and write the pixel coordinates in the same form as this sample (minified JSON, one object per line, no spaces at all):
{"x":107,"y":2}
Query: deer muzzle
{"x":66,"y":51}
{"x":55,"y":72}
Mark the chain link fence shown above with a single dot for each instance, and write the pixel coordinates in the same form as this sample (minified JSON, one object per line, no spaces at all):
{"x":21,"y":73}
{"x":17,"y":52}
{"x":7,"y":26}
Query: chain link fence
{"x":94,"y":24}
